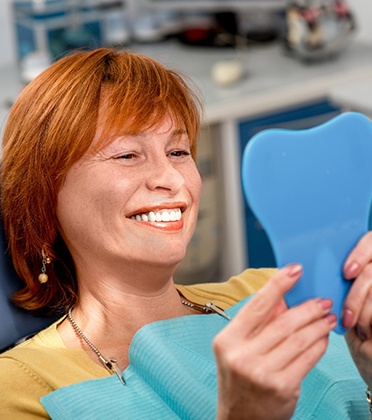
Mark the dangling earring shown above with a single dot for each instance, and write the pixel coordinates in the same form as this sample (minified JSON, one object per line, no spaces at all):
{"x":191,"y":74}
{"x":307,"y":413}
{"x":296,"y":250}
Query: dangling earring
{"x":43,"y":276}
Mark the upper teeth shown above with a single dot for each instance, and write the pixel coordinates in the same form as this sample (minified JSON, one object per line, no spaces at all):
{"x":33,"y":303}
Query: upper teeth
{"x":159,"y":216}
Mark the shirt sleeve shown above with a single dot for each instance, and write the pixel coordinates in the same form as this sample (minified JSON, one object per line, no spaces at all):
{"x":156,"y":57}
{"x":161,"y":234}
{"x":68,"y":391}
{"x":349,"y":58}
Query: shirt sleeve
{"x":20,"y":391}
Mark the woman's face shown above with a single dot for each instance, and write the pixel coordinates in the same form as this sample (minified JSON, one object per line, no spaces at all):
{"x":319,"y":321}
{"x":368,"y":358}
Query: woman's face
{"x":135,"y":201}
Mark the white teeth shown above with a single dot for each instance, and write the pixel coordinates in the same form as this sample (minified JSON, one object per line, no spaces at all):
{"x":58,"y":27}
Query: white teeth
{"x":166,"y":217}
{"x":160,"y":216}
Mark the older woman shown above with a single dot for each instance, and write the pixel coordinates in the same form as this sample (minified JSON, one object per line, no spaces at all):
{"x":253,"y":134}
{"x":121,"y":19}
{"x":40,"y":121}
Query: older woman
{"x":100,"y":195}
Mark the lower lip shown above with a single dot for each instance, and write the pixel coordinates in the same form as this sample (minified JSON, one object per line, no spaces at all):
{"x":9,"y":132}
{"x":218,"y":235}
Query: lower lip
{"x":164,"y":226}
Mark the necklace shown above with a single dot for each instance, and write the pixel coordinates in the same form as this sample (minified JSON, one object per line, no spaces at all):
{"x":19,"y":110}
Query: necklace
{"x":110,"y":363}
{"x":208,"y":308}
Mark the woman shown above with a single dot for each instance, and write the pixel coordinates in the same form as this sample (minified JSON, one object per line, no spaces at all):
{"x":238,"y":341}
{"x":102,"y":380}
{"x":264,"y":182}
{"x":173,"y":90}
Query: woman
{"x":100,"y":195}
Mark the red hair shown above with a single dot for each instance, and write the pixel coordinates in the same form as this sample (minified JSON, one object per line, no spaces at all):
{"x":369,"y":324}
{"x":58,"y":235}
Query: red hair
{"x":51,"y":126}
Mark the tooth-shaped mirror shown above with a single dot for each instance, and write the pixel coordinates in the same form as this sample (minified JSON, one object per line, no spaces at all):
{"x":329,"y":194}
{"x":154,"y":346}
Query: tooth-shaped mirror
{"x":311,"y":190}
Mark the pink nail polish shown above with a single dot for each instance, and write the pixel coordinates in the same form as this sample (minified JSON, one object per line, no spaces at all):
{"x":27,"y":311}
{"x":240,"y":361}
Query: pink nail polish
{"x":325,"y":304}
{"x":331,"y":318}
{"x":294,"y":270}
{"x":351,"y":270}
{"x":347,"y":318}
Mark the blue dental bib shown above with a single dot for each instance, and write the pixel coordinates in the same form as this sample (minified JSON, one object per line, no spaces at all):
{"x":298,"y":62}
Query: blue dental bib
{"x":172,"y":375}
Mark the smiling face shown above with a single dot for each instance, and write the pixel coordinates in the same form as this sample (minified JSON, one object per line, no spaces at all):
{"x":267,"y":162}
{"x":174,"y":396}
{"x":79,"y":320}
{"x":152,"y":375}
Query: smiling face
{"x":133,"y":202}
{"x":48,"y":137}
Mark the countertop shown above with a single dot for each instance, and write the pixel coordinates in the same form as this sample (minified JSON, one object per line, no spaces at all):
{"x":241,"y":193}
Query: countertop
{"x":354,"y":96}
{"x":273,"y":80}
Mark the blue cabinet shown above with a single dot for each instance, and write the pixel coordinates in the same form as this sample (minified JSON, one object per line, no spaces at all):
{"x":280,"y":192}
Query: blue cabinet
{"x":259,"y":250}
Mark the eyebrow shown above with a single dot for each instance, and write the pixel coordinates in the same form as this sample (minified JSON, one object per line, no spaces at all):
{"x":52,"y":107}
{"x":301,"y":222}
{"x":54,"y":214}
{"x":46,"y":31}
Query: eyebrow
{"x":179,"y":132}
{"x":174,"y":133}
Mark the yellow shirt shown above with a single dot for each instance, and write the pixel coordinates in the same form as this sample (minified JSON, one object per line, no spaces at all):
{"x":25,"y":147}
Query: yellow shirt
{"x":43,"y":364}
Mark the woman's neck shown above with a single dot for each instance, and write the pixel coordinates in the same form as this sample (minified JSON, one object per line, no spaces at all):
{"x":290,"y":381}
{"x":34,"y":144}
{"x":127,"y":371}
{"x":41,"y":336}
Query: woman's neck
{"x":109,"y":313}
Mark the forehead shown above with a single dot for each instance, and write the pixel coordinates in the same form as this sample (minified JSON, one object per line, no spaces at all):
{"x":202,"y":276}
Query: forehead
{"x":108,"y":130}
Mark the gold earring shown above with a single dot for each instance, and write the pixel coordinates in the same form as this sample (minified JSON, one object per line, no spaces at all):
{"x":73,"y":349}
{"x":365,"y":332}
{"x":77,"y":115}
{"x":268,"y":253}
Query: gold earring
{"x":43,"y":276}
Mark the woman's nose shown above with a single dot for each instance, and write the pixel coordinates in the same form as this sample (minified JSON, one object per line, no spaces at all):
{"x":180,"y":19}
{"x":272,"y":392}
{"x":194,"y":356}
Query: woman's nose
{"x":163,"y":175}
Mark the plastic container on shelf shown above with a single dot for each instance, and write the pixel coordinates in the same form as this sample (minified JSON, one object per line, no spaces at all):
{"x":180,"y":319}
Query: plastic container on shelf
{"x":49,"y":29}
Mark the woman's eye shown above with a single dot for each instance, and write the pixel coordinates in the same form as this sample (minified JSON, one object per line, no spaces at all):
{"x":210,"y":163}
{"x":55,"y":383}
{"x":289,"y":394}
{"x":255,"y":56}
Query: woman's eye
{"x":126,"y":156}
{"x":180,"y":153}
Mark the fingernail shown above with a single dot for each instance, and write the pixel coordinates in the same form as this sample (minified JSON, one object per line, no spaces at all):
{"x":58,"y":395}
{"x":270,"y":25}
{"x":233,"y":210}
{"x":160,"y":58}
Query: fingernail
{"x":325,"y":304}
{"x":330,"y":318}
{"x":347,"y":318}
{"x":361,"y":334}
{"x":351,"y":270}
{"x":294,"y":270}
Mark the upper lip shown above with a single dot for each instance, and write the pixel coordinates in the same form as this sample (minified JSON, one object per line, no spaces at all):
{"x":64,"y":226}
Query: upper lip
{"x":164,"y":206}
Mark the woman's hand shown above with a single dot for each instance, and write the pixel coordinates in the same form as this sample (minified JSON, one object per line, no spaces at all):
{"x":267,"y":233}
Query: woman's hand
{"x":357,"y":315}
{"x":267,"y":349}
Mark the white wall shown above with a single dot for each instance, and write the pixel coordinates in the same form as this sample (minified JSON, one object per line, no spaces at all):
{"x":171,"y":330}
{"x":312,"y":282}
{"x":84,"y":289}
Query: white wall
{"x":363,"y":12}
{"x":362,"y":9}
{"x":7,"y":50}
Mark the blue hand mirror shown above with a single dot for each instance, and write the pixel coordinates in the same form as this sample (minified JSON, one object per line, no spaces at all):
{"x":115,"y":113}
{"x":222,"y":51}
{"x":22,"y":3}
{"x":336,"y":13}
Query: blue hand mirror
{"x":311,"y":190}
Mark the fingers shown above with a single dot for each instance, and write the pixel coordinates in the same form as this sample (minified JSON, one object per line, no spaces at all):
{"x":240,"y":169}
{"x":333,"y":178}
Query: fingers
{"x":296,"y":369}
{"x":306,"y":360}
{"x":358,"y":266}
{"x":352,"y":340}
{"x":363,"y":327}
{"x":359,"y":257}
{"x":302,"y":325}
{"x":362,"y":307}
{"x":275,"y":363}
{"x":264,"y":372}
{"x":268,"y":349}
{"x":288,"y":339}
{"x":279,"y":339}
{"x":296,"y":345}
{"x":357,"y":297}
{"x":361,"y":351}
{"x":267,"y":301}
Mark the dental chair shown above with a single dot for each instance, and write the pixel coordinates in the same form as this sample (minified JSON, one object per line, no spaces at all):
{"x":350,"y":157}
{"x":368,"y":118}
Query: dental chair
{"x":15,"y":324}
